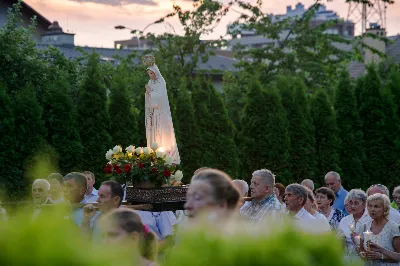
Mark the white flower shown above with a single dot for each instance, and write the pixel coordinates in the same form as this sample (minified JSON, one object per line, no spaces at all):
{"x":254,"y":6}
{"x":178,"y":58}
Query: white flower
{"x":139,"y":150}
{"x":130,"y":149}
{"x":109,"y":154}
{"x":168,"y":160}
{"x":146,"y":150}
{"x":154,"y":146}
{"x":160,"y":154}
{"x":117,"y":149}
{"x":178,"y":175}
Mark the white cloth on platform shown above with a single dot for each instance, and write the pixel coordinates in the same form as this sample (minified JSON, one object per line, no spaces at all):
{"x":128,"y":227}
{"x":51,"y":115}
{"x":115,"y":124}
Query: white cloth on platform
{"x":159,"y":126}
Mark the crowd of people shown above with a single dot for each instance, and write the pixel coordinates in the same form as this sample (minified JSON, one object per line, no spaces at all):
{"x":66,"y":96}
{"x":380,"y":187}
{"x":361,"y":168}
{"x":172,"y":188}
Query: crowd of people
{"x":367,"y":222}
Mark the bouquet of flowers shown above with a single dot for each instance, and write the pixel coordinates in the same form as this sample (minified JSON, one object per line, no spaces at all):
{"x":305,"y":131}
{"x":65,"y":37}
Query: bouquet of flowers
{"x":142,"y":164}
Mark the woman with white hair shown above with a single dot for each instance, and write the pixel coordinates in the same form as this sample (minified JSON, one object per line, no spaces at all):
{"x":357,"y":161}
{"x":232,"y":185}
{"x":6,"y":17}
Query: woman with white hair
{"x":381,"y":231}
{"x":355,"y":201}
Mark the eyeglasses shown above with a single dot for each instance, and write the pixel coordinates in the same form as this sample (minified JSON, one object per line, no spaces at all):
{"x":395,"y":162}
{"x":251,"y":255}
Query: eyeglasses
{"x":37,"y":190}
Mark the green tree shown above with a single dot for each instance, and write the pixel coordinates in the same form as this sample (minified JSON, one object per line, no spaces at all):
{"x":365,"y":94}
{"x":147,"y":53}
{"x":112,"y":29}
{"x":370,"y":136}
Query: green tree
{"x":30,"y":133}
{"x":93,"y":118}
{"x":60,"y":119}
{"x":379,"y":149}
{"x":301,"y":129}
{"x":124,"y":123}
{"x":351,"y":154}
{"x":187,"y":133}
{"x":11,"y":178}
{"x":20,"y":61}
{"x":218,"y":146}
{"x":326,"y":134}
{"x":264,"y":138}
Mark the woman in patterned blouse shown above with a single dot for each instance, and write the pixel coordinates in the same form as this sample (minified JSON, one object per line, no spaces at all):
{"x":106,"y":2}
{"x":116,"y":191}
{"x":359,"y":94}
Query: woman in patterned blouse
{"x":325,"y":198}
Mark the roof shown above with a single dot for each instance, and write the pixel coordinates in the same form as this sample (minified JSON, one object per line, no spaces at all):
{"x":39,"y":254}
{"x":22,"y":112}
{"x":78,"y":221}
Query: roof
{"x":36,"y":13}
{"x":216,"y":62}
{"x":393,"y":49}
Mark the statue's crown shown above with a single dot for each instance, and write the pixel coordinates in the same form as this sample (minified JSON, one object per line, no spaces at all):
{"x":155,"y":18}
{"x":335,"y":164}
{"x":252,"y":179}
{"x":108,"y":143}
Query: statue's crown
{"x":149,"y":60}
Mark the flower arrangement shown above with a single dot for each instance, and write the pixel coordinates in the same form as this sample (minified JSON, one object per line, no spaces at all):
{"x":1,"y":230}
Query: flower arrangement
{"x":140,"y":164}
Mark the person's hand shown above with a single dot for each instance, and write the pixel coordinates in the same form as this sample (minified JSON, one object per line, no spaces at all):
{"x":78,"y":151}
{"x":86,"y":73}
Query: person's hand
{"x":353,"y":238}
{"x":363,"y":255}
{"x":375,"y":247}
{"x":373,"y":255}
{"x":88,"y":212}
{"x":147,"y":88}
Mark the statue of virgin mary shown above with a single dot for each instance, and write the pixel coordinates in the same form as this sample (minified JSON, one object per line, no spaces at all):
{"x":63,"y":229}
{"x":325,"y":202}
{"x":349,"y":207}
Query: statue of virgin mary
{"x":159,"y":126}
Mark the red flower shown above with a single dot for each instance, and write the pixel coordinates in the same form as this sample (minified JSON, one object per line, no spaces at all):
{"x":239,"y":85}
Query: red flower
{"x":116,"y":166}
{"x":154,"y":170}
{"x":167,"y":173}
{"x":118,"y":170}
{"x":108,"y":170}
{"x":127,"y":168}
{"x":141,"y":165}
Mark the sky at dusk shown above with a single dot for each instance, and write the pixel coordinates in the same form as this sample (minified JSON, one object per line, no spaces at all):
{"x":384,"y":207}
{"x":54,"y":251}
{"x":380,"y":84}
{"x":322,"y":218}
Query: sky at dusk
{"x":93,"y":21}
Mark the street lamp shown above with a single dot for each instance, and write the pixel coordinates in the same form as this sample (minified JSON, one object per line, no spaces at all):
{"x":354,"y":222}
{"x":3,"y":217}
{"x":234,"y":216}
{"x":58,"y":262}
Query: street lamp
{"x":122,"y":27}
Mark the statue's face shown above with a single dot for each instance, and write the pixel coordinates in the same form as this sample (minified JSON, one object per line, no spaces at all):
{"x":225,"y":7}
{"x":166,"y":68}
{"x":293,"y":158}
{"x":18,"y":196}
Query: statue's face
{"x":151,"y":75}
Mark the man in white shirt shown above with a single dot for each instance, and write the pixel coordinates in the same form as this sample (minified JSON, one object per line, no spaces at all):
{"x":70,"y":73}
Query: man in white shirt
{"x":295,"y":199}
{"x":91,"y":193}
{"x":394,"y":215}
{"x":40,"y":195}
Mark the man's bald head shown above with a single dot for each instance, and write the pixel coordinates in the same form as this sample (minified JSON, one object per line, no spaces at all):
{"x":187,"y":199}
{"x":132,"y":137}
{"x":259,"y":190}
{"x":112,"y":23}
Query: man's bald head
{"x":308,"y":183}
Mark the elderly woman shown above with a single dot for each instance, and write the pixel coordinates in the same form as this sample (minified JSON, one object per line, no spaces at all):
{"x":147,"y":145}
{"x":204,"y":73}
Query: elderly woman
{"x":355,"y":202}
{"x":325,"y":198}
{"x":312,"y":208}
{"x":211,"y":193}
{"x":382,"y":231}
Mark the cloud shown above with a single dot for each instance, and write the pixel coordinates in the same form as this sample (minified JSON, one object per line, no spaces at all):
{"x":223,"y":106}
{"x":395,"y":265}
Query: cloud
{"x":120,"y":2}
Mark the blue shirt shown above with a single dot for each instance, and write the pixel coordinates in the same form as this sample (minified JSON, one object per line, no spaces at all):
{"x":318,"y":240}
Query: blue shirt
{"x":339,"y":202}
{"x":77,"y":214}
{"x":93,"y":196}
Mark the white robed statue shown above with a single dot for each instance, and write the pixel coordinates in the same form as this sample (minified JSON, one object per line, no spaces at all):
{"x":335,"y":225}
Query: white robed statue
{"x":159,"y":126}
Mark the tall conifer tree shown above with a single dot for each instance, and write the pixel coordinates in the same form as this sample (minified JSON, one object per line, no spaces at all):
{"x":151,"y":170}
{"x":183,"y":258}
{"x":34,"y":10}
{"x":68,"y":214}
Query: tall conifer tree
{"x":372,"y":113}
{"x":30,"y":133}
{"x":60,"y":119}
{"x":219,"y":149}
{"x":11,"y":178}
{"x":264,"y":138}
{"x":93,"y":118}
{"x":326,"y":135}
{"x":351,"y":154}
{"x":187,"y":133}
{"x":301,"y":129}
{"x":124,"y":123}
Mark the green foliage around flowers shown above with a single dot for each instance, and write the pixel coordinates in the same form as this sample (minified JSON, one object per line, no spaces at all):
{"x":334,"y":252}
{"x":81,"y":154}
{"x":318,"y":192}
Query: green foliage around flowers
{"x":210,"y":246}
{"x":352,"y":155}
{"x":326,"y":135}
{"x":139,"y":165}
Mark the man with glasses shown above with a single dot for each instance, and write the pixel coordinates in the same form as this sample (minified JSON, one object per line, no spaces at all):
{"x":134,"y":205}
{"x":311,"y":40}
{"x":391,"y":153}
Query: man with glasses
{"x":333,"y":181}
{"x":264,"y":204}
{"x":394,"y":215}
